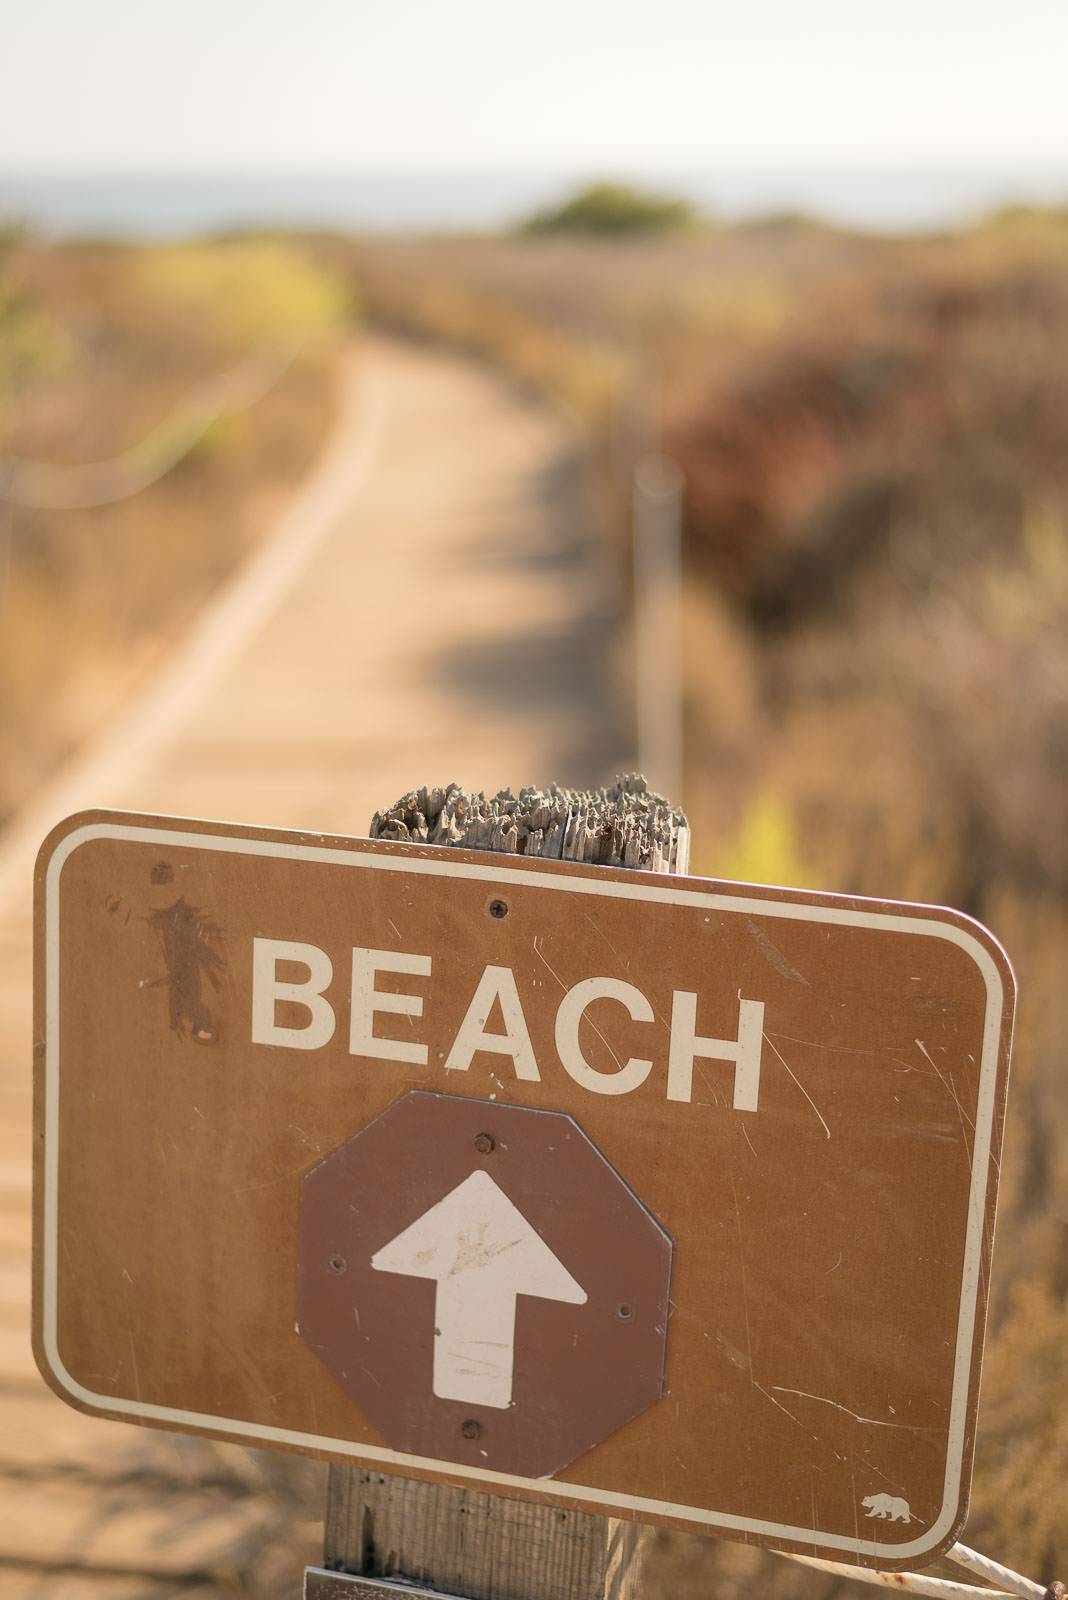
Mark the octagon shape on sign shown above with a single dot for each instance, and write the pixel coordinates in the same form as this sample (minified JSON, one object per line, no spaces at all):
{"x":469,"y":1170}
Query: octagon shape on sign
{"x":483,"y":1284}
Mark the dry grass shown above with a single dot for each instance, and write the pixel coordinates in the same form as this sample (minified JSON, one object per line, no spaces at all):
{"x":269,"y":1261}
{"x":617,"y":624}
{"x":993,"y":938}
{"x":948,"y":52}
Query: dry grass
{"x":99,"y":346}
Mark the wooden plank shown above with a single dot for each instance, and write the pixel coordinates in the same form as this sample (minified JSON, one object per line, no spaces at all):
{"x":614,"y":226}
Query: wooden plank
{"x":15,"y":1228}
{"x":159,"y":1530}
{"x":16,"y":1121}
{"x":16,"y":1168}
{"x":17,"y":1366}
{"x":43,"y":1435}
{"x":34,"y":1582}
{"x":14,"y":1281}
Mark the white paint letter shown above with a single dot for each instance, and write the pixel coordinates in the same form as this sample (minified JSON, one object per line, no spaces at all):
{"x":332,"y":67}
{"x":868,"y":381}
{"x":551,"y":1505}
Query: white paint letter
{"x":268,"y":988}
{"x":687,"y":1043}
{"x":366,"y":1000}
{"x":496,"y":983}
{"x":572,"y":1009}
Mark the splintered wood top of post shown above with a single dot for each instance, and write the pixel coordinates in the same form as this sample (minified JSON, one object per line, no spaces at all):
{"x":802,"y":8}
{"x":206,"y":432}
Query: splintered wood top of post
{"x":625,"y":825}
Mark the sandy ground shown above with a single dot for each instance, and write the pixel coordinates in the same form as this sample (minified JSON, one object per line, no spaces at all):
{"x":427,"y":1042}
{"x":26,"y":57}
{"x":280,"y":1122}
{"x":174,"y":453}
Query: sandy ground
{"x":430,"y":607}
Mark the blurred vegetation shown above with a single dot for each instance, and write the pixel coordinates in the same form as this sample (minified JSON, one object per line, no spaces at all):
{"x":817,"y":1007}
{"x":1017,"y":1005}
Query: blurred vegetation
{"x":875,"y":439}
{"x":103,"y":353}
{"x":614,"y":209}
{"x":874,"y":433}
{"x":245,"y":292}
{"x":32,"y":346}
{"x":766,"y":848}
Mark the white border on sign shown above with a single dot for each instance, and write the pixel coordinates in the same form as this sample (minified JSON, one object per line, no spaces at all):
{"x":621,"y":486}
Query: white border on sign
{"x":663,"y":894}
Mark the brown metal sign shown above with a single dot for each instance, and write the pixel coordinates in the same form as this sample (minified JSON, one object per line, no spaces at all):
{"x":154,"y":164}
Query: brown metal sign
{"x":264,"y":1061}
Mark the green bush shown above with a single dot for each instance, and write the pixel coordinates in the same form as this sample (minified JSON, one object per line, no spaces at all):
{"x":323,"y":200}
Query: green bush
{"x":614,"y":208}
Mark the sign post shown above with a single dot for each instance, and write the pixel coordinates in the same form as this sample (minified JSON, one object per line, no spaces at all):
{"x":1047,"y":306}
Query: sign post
{"x":299,"y":1098}
{"x":474,"y":1543}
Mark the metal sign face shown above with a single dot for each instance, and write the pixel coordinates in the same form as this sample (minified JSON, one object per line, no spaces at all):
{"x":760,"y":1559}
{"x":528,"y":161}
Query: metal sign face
{"x":319,"y":1118}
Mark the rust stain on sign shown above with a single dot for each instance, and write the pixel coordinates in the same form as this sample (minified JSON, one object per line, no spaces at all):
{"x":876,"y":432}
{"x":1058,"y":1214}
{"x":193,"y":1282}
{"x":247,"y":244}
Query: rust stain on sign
{"x":189,"y":938}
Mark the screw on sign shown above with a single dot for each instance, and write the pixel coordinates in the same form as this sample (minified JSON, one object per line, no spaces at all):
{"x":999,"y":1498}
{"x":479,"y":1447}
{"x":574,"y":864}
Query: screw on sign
{"x":483,"y":1284}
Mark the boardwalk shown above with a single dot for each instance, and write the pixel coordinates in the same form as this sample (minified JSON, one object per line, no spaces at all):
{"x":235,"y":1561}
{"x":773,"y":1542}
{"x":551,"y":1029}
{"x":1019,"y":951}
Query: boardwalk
{"x":429,"y":609}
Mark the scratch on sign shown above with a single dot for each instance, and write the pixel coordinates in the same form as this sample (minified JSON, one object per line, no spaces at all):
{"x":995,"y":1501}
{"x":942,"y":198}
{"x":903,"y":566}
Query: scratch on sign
{"x":774,"y":956}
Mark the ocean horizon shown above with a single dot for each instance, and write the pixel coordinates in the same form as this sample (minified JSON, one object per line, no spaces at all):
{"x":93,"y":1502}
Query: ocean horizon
{"x":146,"y":206}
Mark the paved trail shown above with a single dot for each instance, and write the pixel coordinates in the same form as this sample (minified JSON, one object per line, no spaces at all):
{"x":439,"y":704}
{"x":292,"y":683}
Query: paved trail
{"x":428,"y":609}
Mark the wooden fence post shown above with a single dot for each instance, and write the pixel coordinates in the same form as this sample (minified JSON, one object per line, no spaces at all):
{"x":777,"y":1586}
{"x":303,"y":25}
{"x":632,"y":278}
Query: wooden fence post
{"x":463,"y":1541}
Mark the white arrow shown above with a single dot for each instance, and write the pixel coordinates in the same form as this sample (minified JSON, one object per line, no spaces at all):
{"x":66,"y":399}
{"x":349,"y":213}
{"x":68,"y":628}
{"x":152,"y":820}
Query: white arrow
{"x":483,"y":1253}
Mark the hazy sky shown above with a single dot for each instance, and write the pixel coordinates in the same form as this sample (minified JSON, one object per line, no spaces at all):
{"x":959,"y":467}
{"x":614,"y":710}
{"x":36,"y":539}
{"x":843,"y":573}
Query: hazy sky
{"x":261,"y":84}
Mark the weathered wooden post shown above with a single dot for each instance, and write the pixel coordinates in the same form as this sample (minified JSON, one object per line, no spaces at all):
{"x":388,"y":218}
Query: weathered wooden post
{"x":460,"y":1540}
{"x":464,"y":1542}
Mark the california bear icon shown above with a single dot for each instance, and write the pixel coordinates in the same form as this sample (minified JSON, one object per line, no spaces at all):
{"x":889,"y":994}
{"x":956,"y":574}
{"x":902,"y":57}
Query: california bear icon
{"x":888,"y":1507}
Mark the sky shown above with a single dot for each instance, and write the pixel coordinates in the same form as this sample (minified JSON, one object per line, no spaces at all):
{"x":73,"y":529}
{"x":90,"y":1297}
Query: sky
{"x":296,"y":85}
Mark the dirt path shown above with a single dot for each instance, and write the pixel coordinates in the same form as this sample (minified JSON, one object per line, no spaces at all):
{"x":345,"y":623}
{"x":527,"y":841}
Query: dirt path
{"x":430,"y":608}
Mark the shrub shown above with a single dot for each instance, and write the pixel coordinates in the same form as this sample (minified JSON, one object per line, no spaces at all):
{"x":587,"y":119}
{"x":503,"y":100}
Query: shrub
{"x":614,"y":208}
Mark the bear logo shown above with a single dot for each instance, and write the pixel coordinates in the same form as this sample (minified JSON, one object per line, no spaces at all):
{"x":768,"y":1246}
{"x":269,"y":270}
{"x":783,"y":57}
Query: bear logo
{"x":888,"y":1507}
